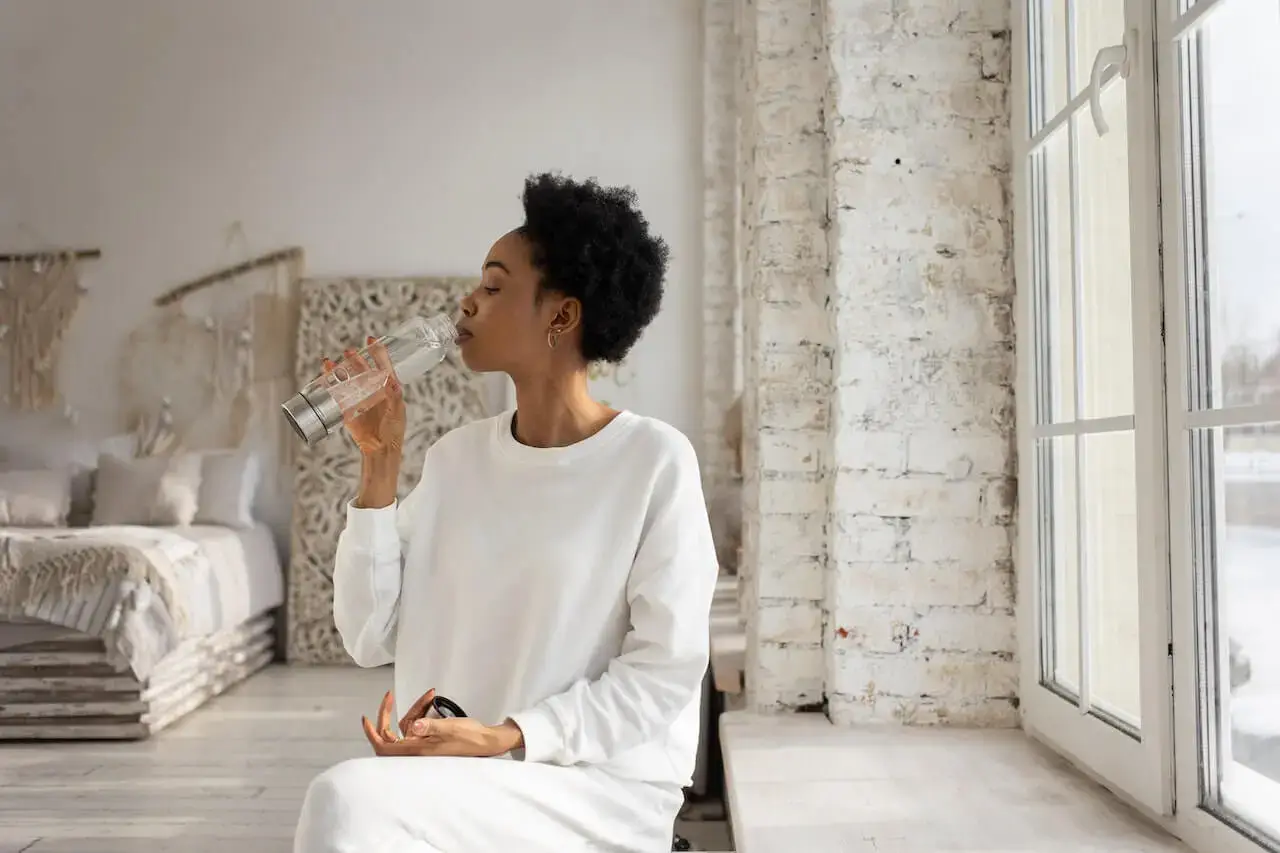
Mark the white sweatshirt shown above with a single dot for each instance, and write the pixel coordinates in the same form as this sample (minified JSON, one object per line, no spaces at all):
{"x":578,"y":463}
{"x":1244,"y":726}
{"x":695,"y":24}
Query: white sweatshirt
{"x":567,"y":588}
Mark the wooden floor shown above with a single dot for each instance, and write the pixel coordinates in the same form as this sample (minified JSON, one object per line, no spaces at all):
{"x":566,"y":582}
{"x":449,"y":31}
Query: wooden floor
{"x":228,"y":778}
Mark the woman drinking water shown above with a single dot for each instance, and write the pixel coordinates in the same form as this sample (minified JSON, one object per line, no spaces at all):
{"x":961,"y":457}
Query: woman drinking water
{"x":550,"y":575}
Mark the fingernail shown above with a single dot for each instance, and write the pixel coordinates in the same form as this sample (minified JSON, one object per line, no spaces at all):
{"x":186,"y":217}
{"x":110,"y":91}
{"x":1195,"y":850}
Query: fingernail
{"x":419,"y":727}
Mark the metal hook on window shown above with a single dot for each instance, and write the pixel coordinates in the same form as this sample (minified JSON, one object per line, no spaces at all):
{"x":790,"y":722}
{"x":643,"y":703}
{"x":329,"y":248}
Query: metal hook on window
{"x":1119,"y":55}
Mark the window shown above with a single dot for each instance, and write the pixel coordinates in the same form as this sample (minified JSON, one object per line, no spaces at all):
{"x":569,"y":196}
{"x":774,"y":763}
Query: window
{"x":1148,"y":209}
{"x":1087,"y":419}
{"x":1224,"y":371}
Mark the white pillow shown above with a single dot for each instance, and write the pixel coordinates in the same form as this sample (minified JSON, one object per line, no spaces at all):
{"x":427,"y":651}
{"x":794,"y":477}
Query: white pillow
{"x":35,"y":498}
{"x":153,"y":490}
{"x":77,"y":456}
{"x":228,"y":482}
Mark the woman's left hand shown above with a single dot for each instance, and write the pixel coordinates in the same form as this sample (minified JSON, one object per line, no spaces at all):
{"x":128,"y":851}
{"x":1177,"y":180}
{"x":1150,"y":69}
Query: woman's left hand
{"x":458,"y":736}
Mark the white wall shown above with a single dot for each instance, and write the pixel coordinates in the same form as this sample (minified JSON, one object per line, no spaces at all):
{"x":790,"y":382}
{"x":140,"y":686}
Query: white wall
{"x":384,"y":137}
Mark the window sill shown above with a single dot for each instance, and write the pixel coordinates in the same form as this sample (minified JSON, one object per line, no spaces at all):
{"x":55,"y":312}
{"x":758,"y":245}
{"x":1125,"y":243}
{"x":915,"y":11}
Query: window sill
{"x":797,"y":782}
{"x":728,"y":638}
{"x":1253,"y":796}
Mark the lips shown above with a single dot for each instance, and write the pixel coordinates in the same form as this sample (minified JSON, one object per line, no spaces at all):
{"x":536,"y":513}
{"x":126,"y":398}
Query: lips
{"x":463,"y":336}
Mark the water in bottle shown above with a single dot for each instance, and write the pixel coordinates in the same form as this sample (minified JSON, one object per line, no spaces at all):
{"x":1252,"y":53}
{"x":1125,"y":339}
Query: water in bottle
{"x":413,"y":348}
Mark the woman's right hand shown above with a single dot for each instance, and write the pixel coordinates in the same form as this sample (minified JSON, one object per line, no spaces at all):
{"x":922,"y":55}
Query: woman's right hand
{"x":377,"y":425}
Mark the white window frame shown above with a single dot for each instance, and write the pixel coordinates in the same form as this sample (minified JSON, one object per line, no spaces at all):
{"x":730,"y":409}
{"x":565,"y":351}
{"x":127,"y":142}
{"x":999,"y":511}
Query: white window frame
{"x":1198,"y":827}
{"x":1135,"y":769}
{"x":1162,"y":775}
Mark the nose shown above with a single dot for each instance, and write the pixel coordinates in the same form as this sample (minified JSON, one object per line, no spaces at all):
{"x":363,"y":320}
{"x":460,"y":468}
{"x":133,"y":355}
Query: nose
{"x":468,"y":305}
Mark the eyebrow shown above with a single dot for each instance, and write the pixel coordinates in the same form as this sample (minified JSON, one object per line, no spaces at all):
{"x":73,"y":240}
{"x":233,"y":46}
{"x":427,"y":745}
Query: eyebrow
{"x":499,"y":264}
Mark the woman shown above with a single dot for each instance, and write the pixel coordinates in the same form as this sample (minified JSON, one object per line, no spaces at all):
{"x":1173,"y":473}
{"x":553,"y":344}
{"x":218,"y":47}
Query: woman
{"x":551,"y":574}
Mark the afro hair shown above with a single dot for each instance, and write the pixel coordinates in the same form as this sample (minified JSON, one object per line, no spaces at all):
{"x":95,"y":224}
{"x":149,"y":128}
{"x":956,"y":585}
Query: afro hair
{"x":591,"y":243}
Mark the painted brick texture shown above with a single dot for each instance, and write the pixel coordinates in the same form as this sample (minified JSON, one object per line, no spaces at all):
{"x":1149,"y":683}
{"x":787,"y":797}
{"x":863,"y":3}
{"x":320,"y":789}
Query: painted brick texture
{"x":872,"y":168}
{"x":787,"y":339}
{"x":919,"y":598}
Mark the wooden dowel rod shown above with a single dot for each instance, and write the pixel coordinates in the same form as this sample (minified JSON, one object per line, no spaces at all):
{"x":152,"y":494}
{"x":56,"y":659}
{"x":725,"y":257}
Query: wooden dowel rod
{"x":28,"y":257}
{"x":184,"y":290}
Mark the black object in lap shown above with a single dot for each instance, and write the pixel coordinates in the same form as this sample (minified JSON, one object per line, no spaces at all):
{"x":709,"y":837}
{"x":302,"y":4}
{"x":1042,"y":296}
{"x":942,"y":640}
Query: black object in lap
{"x":447,"y":707}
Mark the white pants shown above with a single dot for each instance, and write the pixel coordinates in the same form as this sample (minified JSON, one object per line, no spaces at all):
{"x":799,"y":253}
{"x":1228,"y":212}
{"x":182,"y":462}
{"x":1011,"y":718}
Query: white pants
{"x":481,"y":805}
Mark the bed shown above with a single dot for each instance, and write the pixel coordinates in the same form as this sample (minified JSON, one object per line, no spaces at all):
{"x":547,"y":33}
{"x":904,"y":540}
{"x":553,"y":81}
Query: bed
{"x":114,"y":632}
{"x":135,"y":584}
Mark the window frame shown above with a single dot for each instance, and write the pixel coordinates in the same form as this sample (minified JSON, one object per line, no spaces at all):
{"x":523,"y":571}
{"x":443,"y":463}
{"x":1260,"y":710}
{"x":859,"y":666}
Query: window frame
{"x":1135,"y":768}
{"x":1199,"y":827}
{"x":1168,"y":632}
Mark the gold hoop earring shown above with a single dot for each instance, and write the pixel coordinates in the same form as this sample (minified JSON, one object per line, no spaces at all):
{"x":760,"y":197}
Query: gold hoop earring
{"x":553,"y":338}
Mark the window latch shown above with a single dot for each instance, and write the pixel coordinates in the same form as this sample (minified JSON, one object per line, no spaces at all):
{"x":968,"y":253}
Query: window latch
{"x":1118,"y":56}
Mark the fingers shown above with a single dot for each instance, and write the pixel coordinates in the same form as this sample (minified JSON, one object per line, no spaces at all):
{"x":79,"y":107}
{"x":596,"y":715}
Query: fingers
{"x":384,"y":711}
{"x":374,"y":741}
{"x":379,"y":734}
{"x":384,"y":746}
{"x":417,"y":710}
{"x":354,"y":362}
{"x":382,"y":360}
{"x":407,"y":747}
{"x":384,"y":717}
{"x":378,"y":351}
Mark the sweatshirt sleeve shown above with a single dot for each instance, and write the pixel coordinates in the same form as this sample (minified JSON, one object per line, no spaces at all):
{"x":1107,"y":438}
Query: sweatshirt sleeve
{"x":664,"y":655}
{"x":366,"y":577}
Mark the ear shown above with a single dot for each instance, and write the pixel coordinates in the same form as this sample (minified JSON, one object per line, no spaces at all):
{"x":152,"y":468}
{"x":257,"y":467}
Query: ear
{"x":568,"y":316}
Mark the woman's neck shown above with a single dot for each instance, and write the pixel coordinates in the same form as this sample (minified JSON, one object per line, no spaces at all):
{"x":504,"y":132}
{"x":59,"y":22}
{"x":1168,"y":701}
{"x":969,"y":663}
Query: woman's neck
{"x":558,"y":411}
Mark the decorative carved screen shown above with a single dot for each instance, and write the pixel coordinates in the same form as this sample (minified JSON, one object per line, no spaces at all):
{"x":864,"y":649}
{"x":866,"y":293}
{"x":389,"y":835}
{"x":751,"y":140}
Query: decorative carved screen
{"x":338,"y":313}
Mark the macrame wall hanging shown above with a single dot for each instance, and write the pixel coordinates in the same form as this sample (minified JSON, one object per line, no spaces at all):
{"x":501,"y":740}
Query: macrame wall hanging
{"x":217,"y":353}
{"x":39,"y":295}
{"x":216,"y":358}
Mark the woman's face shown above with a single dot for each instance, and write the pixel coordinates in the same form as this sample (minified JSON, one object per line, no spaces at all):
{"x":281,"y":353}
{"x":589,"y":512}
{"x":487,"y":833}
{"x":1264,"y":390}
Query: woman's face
{"x":504,"y":325}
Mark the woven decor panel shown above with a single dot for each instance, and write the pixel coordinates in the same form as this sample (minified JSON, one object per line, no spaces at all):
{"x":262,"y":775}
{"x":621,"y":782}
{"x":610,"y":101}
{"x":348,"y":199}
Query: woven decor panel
{"x":337,"y":313}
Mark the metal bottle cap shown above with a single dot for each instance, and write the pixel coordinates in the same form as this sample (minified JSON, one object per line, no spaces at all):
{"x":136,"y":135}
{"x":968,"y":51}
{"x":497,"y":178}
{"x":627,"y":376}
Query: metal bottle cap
{"x":312,"y":416}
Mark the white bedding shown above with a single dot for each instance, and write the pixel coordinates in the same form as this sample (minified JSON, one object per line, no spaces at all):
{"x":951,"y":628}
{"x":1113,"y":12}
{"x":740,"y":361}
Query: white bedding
{"x":247,"y":578}
{"x":198,"y":580}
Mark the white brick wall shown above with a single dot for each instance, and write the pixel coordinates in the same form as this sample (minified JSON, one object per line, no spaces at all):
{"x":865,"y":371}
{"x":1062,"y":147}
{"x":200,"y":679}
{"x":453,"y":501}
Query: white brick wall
{"x":872,"y":161}
{"x":787,"y":337}
{"x":919,"y":605}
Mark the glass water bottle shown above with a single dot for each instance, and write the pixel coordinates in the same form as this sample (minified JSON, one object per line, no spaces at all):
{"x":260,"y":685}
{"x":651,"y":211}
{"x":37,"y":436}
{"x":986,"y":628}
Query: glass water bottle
{"x":414,"y":348}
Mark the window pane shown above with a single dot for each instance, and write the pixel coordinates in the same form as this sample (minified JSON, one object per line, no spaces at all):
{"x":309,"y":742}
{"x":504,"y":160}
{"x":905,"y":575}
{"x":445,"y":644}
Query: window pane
{"x":1097,"y":24}
{"x":1239,"y":500}
{"x":1048,"y":40}
{"x":1232,"y":179}
{"x":1110,"y":501}
{"x":1060,"y":563}
{"x":1054,"y":265}
{"x":1105,"y":305}
{"x":1240,"y":58}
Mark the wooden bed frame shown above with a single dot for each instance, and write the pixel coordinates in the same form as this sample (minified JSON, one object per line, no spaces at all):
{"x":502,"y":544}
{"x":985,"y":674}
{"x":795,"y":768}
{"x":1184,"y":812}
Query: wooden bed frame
{"x":65,"y":688}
